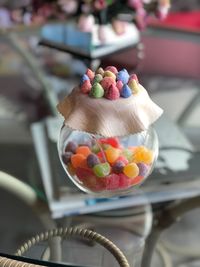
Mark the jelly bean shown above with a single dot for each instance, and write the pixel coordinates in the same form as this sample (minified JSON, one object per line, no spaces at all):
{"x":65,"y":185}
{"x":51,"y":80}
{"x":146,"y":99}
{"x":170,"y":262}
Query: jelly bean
{"x":143,"y":169}
{"x":90,"y":74}
{"x":86,"y":87}
{"x":66,"y":157}
{"x":97,"y":78}
{"x":112,"y":154}
{"x":97,"y":91}
{"x":84,"y":78}
{"x":131,"y":170}
{"x":112,"y":93}
{"x":100,"y":71}
{"x":118,"y":166}
{"x":112,"y":182}
{"x":133,"y":86}
{"x":112,"y":69}
{"x":107,"y":82}
{"x":102,"y":169}
{"x":126,"y":91}
{"x":123,"y":159}
{"x":92,"y":160}
{"x":124,"y":181}
{"x":71,"y":147}
{"x":108,"y":73}
{"x":123,"y":76}
{"x":84,"y":150}
{"x":77,"y":160}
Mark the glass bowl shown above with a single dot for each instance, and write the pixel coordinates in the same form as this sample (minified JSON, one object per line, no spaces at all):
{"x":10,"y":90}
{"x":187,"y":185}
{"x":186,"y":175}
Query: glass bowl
{"x":107,"y":166}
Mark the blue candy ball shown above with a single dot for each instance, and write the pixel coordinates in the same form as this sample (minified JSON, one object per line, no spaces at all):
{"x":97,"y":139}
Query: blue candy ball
{"x":126,"y":91}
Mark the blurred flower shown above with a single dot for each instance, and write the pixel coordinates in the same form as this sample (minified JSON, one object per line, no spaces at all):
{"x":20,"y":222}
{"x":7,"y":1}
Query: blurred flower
{"x":68,"y":6}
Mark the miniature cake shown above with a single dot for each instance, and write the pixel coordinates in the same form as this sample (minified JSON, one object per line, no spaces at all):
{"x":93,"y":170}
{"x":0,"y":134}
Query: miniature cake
{"x":113,"y":147}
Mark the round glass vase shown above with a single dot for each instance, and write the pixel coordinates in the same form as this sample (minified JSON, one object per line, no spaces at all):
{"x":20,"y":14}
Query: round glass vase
{"x":107,"y":166}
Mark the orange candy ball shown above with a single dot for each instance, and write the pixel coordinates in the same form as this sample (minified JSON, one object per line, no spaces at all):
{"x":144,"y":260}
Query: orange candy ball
{"x":142,"y":154}
{"x":131,"y":170}
{"x":77,"y":160}
{"x":112,"y":154}
{"x":83,"y":150}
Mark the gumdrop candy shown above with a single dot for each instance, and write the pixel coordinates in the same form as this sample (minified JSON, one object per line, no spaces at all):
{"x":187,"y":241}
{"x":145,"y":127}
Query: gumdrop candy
{"x":123,"y":159}
{"x":97,"y":78}
{"x":107,"y":82}
{"x":90,"y":74}
{"x":84,"y":150}
{"x":86,"y":87}
{"x":100,"y":71}
{"x":108,"y":73}
{"x":95,"y":148}
{"x":102,"y":169}
{"x":118,"y":166}
{"x":143,"y":169}
{"x":112,"y":154}
{"x":128,"y":154}
{"x":124,"y":181}
{"x":112,"y":182}
{"x":126,"y":91}
{"x":123,"y":76}
{"x":84,"y":78}
{"x":112,"y":93}
{"x":131,"y":170}
{"x":92,"y":160}
{"x":119,"y":85}
{"x":113,"y":141}
{"x":71,"y":147}
{"x":142,"y":154}
{"x":112,"y":69}
{"x":133,"y":77}
{"x":77,"y":160}
{"x":83,"y":173}
{"x":134,"y":86}
{"x":137,"y":180}
{"x":97,"y":90}
{"x":66,"y":157}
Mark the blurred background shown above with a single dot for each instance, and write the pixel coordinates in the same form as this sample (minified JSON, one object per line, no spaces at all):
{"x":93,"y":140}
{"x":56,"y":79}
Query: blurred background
{"x":45,"y":47}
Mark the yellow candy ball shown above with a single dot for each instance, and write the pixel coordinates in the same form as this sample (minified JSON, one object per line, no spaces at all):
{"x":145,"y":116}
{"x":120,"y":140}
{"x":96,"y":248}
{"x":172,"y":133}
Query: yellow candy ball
{"x":112,"y":154}
{"x":131,"y":170}
{"x":144,"y":155}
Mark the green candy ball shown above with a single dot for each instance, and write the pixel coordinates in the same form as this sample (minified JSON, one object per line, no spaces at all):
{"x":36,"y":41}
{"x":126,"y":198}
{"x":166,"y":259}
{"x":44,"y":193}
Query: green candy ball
{"x":102,"y":169}
{"x":98,"y":78}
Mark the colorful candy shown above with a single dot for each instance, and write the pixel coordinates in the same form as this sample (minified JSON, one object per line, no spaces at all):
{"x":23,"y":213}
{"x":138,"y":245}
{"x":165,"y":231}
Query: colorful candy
{"x":107,"y":165}
{"x":107,"y":82}
{"x":102,"y":169}
{"x":133,"y":86}
{"x":112,"y":93}
{"x":84,"y":78}
{"x":125,"y":91}
{"x":119,"y":85}
{"x":123,"y":76}
{"x":97,"y":90}
{"x":100,"y":71}
{"x":108,"y":73}
{"x":131,"y":170}
{"x":71,"y":147}
{"x":86,"y":87}
{"x":98,"y":78}
{"x":92,"y":160}
{"x":90,"y":74}
{"x":113,"y":69}
{"x":112,"y":154}
{"x":77,"y":160}
{"x":133,"y":77}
